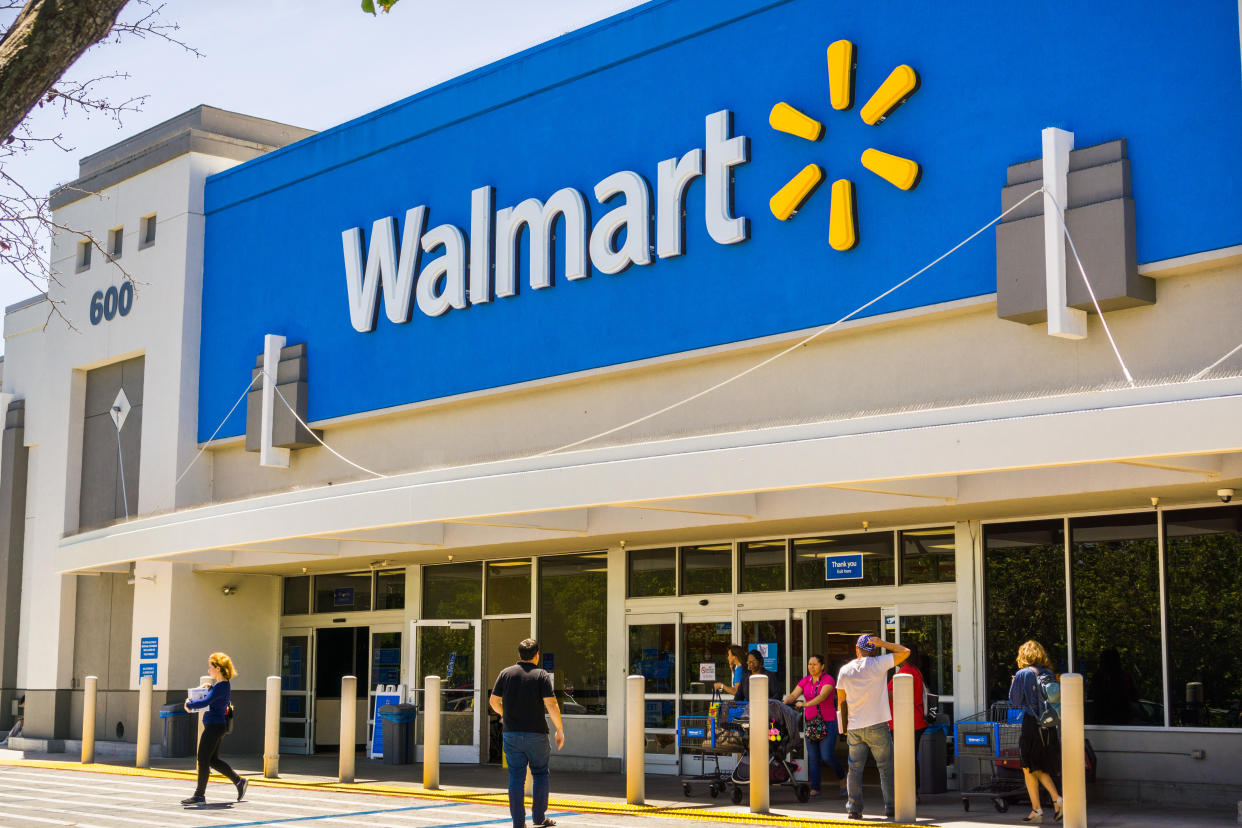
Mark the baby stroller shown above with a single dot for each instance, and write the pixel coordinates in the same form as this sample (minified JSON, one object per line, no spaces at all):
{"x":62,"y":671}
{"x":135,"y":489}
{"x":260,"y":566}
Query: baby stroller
{"x":784,"y":737}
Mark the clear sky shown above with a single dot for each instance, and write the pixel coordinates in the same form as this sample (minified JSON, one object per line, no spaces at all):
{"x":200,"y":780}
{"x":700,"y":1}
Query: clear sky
{"x":311,"y":63}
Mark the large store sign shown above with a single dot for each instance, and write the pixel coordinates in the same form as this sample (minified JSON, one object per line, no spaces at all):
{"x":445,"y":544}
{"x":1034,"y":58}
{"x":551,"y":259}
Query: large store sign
{"x":693,"y":173}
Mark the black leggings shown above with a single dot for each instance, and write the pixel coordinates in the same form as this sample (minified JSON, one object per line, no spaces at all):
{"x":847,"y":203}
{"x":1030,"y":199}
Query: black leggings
{"x":209,"y":757}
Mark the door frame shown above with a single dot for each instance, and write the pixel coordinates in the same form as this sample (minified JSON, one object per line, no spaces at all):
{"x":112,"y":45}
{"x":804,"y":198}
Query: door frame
{"x":948,"y":608}
{"x":452,"y":754}
{"x":662,"y":763}
{"x":306,"y":745}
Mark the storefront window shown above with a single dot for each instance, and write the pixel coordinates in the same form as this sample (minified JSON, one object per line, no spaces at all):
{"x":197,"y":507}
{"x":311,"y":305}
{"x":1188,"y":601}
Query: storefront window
{"x":343,"y":592}
{"x":1114,"y":571}
{"x":390,"y":589}
{"x":1024,"y":596}
{"x":453,"y":590}
{"x":508,"y":587}
{"x":927,"y":556}
{"x":653,"y":656}
{"x":931,"y":639}
{"x":652,"y":572}
{"x":810,"y":568}
{"x":573,"y":603}
{"x":705,"y":649}
{"x":768,"y":637}
{"x":1203,"y":559}
{"x":296,"y":595}
{"x":763,"y":566}
{"x":706,"y":570}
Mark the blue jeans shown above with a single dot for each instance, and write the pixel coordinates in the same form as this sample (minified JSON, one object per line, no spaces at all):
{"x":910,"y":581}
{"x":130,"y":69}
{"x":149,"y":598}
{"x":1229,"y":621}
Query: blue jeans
{"x":877,"y":740}
{"x":823,"y":752}
{"x":522,"y":749}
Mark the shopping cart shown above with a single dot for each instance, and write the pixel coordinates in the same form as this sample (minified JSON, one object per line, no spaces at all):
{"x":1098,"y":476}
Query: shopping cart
{"x":710,"y":737}
{"x":993,"y":736}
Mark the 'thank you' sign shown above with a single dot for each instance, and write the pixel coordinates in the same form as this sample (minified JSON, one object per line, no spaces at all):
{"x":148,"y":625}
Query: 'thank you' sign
{"x":843,"y":567}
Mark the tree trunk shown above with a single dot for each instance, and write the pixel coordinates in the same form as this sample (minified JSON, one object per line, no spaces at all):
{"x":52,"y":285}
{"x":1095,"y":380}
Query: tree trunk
{"x":44,"y":41}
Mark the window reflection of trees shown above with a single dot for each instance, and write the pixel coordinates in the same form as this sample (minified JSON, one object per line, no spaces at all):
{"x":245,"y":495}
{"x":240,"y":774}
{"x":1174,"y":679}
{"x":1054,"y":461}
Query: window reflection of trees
{"x":573,"y":601}
{"x":1024,"y":597}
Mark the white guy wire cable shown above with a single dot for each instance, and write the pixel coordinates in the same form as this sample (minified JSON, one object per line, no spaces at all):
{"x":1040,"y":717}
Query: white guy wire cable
{"x":1202,"y":373}
{"x":120,"y":461}
{"x":1090,"y":290}
{"x":798,"y":344}
{"x":207,"y":443}
{"x":276,"y":388}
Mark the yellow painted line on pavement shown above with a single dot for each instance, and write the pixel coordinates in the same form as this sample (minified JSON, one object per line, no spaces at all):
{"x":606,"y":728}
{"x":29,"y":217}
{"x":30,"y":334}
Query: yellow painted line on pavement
{"x":579,"y":805}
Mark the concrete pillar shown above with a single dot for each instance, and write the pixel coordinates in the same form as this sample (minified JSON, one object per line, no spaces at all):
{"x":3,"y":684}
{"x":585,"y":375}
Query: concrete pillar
{"x":349,"y":712}
{"x":903,"y":748}
{"x":635,"y":746}
{"x":757,"y":694}
{"x":1073,"y":752}
{"x":271,"y":729}
{"x":431,"y":733}
{"x":89,"y":702}
{"x":145,"y":686}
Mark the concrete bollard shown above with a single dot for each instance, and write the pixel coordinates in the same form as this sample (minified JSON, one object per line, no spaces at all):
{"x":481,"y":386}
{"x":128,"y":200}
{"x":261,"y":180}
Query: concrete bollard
{"x":271,"y":729}
{"x":1073,"y":752}
{"x":757,"y":710}
{"x":903,"y":748}
{"x":431,"y":733}
{"x":635,"y":745}
{"x":349,"y":711}
{"x":145,"y":687}
{"x":89,"y":702}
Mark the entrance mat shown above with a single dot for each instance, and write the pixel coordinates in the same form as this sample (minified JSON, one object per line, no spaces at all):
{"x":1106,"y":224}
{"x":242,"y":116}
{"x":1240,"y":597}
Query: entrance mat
{"x":488,"y":798}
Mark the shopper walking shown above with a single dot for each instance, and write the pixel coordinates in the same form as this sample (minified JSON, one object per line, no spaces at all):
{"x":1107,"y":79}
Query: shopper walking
{"x":215,"y":724}
{"x":862,"y":701}
{"x":1039,"y":747}
{"x":737,"y":655}
{"x":816,"y":696}
{"x":522,"y":694}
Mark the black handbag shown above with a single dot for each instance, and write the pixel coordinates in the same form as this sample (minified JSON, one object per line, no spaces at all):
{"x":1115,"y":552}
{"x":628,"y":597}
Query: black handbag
{"x":228,"y":718}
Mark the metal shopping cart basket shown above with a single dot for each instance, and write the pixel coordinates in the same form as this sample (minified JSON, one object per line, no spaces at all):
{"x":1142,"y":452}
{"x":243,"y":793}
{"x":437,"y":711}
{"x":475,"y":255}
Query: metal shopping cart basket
{"x":710,"y":737}
{"x":993,"y":736}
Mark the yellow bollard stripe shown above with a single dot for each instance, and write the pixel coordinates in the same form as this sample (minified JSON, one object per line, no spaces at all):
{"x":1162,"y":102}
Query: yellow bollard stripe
{"x":499,"y":799}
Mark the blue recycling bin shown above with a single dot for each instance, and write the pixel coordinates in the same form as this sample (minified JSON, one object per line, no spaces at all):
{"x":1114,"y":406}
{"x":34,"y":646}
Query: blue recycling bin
{"x":397,"y":724}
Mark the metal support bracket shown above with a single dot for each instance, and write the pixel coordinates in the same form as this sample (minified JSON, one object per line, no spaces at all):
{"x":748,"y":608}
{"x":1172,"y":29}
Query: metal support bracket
{"x":1063,"y":321}
{"x":270,"y":455}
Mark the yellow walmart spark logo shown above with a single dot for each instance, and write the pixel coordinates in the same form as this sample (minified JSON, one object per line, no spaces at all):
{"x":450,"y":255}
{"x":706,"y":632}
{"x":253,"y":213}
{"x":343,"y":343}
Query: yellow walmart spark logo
{"x":903,"y":173}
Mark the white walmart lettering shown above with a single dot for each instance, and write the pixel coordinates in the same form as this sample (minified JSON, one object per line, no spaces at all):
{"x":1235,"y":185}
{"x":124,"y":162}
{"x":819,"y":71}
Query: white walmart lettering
{"x":443,"y":284}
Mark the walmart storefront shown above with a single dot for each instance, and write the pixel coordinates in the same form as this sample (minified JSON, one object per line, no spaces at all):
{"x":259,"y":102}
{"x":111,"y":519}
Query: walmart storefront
{"x":630,"y":341}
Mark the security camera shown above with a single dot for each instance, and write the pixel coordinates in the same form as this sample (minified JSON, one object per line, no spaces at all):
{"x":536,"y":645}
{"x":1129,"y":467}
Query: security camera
{"x":1225,"y":495}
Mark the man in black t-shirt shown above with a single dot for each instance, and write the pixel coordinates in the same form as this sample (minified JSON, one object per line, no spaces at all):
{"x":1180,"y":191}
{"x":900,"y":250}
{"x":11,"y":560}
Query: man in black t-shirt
{"x":521,"y":695}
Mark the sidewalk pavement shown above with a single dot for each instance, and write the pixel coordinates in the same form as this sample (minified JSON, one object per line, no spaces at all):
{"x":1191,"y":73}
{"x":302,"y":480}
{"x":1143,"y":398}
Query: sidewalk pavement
{"x":606,"y":792}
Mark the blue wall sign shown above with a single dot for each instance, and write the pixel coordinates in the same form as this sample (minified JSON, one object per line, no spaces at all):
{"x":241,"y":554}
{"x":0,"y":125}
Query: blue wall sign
{"x":151,"y":669}
{"x":770,"y":653}
{"x":343,"y":597}
{"x":549,"y":663}
{"x":843,"y":567}
{"x":149,"y":647}
{"x":289,"y":232}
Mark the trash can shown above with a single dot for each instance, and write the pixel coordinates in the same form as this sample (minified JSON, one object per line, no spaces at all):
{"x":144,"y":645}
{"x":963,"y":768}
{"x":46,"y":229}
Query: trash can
{"x":933,"y":757}
{"x":179,"y":730}
{"x":398,"y":733}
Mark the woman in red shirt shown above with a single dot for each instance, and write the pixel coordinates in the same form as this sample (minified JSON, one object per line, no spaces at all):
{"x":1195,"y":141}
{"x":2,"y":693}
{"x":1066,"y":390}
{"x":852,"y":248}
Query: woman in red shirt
{"x":920,"y":722}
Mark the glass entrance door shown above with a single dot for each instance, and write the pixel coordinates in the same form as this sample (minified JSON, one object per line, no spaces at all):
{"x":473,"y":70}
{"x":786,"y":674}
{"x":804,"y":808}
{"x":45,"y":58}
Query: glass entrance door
{"x":927,"y":629}
{"x":449,"y":649}
{"x":295,"y":692}
{"x":652,"y":649}
{"x":769,"y":632}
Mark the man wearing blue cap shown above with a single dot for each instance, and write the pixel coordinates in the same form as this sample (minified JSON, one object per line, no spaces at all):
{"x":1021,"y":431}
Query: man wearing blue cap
{"x":862,"y":710}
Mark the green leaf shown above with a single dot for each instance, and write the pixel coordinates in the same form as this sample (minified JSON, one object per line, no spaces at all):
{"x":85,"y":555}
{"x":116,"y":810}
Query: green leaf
{"x":368,"y":6}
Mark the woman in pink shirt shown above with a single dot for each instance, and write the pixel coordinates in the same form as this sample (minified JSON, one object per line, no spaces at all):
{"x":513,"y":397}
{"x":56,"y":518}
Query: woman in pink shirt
{"x":816,"y":696}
